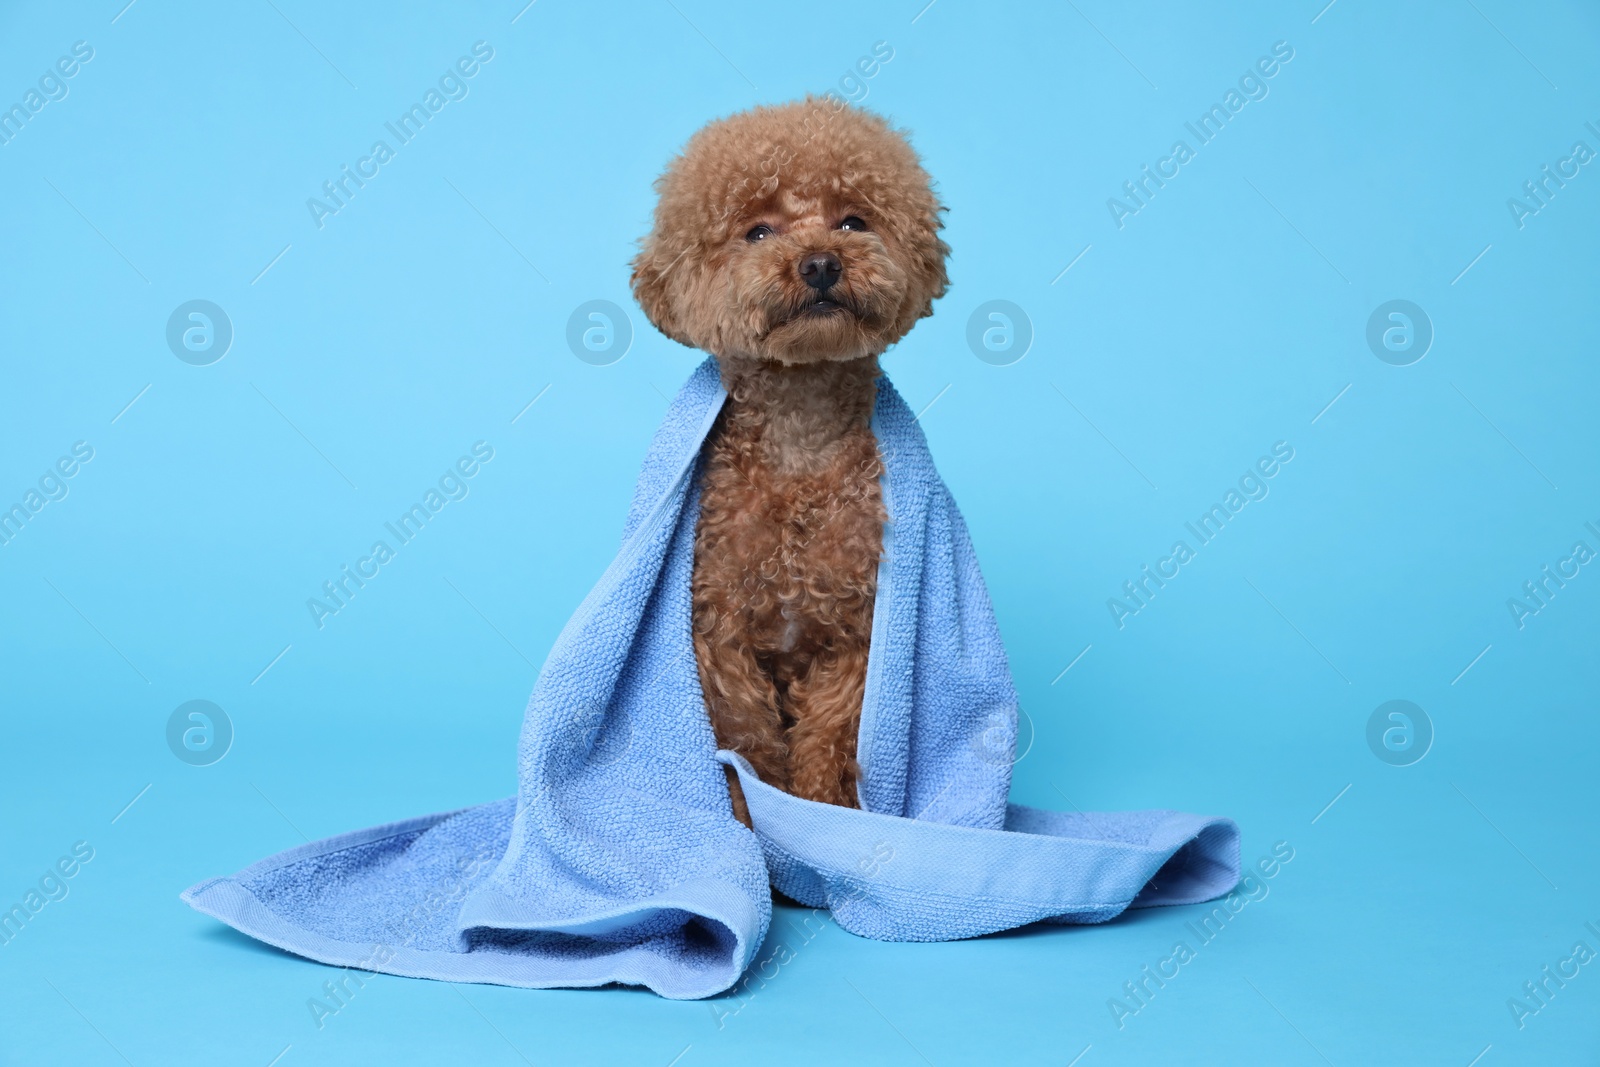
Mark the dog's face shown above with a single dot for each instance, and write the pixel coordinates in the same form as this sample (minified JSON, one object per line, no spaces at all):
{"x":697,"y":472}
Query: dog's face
{"x":798,"y":234}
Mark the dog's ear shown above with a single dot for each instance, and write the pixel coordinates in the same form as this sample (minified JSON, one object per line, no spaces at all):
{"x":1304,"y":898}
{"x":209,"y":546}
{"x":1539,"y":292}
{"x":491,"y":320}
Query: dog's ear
{"x":650,"y":289}
{"x":930,"y":256}
{"x":938,"y":274}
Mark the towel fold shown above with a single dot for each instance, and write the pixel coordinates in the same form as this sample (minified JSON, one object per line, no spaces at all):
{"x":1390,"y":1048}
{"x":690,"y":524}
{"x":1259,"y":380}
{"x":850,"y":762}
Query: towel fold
{"x":619,"y":859}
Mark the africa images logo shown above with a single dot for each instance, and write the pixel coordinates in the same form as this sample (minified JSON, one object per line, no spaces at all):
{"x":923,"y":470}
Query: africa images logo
{"x":452,"y":486}
{"x":1137,"y":593}
{"x":338,"y":192}
{"x":1252,"y":85}
{"x":52,"y":87}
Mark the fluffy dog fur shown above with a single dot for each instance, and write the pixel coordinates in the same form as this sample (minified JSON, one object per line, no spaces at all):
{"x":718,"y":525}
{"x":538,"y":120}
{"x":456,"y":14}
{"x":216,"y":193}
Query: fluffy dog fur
{"x":795,"y":244}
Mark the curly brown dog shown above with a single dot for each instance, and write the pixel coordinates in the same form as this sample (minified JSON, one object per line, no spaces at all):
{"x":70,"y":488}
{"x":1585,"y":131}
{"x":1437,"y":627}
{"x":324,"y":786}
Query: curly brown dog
{"x":795,"y":244}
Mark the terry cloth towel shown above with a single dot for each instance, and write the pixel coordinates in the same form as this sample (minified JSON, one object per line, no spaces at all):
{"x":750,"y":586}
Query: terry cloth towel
{"x":619,"y":859}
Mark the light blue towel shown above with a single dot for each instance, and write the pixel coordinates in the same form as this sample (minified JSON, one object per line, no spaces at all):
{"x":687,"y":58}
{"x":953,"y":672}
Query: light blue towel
{"x":619,"y":860}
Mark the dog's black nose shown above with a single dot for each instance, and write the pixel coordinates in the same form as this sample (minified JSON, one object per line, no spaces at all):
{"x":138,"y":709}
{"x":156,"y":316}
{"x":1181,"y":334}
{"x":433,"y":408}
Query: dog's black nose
{"x":820,"y":270}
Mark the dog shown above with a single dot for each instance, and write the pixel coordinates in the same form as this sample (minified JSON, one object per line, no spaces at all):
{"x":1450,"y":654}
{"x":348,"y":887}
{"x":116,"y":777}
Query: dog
{"x":794,"y":243}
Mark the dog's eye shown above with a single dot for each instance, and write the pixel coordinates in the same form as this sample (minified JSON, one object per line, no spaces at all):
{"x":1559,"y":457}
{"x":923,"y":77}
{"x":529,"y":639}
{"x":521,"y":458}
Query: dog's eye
{"x":759,"y":233}
{"x":853,"y":223}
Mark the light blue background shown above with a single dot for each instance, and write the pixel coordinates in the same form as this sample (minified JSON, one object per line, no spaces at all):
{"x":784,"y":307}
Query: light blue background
{"x":1222,"y":318}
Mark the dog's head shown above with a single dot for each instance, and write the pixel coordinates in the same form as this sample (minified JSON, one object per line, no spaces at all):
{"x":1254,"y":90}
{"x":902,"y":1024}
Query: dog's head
{"x":799,"y":233}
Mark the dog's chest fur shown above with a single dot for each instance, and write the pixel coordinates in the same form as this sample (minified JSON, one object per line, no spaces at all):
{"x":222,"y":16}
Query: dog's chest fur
{"x":785,"y":571}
